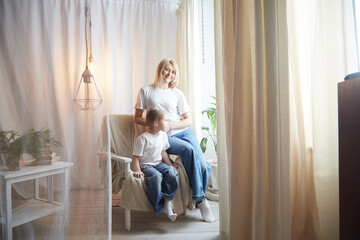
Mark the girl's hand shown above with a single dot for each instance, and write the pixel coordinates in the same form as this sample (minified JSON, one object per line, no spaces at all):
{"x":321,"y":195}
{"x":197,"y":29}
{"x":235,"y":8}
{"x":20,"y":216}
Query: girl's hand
{"x":175,"y":165}
{"x":138,"y":174}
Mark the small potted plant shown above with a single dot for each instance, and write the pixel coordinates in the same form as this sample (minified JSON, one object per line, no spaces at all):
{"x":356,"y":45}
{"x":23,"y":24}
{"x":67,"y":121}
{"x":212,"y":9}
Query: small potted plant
{"x":211,"y":115}
{"x":13,"y":145}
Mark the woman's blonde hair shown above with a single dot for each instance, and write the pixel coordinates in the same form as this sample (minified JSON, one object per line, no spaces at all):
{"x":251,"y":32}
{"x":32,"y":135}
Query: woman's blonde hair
{"x":159,"y":81}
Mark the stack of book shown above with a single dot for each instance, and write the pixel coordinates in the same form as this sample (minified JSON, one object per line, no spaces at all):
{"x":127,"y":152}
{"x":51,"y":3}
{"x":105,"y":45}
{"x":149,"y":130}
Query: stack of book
{"x":46,"y":157}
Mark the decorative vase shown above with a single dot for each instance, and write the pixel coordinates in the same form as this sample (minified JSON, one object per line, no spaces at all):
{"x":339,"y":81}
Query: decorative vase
{"x":12,"y":162}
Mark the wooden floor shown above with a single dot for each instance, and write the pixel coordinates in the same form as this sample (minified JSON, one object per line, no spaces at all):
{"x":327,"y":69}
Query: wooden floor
{"x":88,"y":220}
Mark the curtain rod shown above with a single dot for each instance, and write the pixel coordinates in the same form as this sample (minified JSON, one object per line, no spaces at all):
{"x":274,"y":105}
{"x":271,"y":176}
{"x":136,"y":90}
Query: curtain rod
{"x":162,"y":1}
{"x":165,"y":1}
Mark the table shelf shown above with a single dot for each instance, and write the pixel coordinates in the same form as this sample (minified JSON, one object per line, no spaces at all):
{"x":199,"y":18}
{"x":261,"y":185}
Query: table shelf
{"x":34,"y":209}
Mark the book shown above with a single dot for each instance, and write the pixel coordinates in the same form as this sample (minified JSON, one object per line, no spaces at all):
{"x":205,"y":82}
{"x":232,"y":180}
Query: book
{"x":45,"y":154}
{"x":46,"y":151}
{"x":53,"y":160}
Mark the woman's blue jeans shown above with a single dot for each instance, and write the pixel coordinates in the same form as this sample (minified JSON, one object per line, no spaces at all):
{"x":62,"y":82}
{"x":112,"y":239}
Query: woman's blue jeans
{"x":185,"y":145}
{"x":162,"y":182}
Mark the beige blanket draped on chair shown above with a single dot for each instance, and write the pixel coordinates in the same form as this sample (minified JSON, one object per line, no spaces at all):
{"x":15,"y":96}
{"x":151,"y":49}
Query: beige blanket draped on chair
{"x":123,"y":133}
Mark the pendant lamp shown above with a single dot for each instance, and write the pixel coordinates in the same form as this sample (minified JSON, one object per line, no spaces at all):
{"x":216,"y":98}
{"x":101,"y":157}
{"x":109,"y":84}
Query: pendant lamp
{"x":87,"y":95}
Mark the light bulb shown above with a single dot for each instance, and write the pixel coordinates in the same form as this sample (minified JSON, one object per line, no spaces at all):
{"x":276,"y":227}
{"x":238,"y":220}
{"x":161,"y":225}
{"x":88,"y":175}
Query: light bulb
{"x":91,"y":64}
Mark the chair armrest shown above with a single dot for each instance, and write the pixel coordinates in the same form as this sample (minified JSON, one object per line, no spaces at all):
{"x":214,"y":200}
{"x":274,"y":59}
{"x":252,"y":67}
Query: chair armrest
{"x":103,"y":156}
{"x":121,"y":158}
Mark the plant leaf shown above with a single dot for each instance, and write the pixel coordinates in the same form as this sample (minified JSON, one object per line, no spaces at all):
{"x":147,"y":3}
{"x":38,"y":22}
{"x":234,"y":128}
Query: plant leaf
{"x":211,"y":115}
{"x":203,"y":144}
{"x":213,"y":103}
{"x":210,"y":109}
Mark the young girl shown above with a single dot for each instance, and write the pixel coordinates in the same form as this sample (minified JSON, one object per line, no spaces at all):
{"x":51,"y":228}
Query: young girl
{"x":150,"y":159}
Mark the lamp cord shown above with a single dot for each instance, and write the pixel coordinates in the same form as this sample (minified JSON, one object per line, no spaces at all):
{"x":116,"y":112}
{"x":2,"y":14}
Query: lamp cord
{"x":86,"y":16}
{"x":90,"y":34}
{"x":90,"y":22}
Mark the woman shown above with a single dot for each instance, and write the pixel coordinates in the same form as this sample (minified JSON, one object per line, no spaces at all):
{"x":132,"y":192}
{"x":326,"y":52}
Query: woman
{"x":164,"y":95}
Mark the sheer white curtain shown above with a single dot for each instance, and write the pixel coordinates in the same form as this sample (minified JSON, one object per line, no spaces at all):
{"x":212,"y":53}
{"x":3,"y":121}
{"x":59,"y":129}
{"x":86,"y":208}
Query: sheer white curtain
{"x":42,"y":46}
{"x":188,"y":59}
{"x":42,"y":58}
{"x":221,"y":130}
{"x":131,"y":39}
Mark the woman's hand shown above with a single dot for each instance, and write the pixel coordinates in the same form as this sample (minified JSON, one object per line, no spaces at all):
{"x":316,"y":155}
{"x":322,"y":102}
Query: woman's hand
{"x":138,"y":174}
{"x":184,"y":123}
{"x":138,"y":119}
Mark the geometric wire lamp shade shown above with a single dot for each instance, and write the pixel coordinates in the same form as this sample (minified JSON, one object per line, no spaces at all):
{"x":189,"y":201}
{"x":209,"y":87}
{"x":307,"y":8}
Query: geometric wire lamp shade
{"x":87,"y":95}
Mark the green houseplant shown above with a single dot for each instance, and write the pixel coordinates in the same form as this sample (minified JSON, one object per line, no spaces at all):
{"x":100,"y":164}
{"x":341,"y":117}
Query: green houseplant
{"x":211,"y":115}
{"x":13,"y":145}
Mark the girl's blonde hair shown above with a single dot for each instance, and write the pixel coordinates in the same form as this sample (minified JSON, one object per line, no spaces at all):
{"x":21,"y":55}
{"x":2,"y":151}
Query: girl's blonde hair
{"x":159,"y":81}
{"x":154,"y":115}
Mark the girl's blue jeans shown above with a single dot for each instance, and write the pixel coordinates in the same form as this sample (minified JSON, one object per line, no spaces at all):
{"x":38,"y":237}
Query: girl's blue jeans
{"x":185,"y":145}
{"x":162,"y":182}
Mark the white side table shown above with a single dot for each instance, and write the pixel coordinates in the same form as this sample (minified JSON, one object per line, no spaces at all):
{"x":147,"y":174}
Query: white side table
{"x":37,"y":207}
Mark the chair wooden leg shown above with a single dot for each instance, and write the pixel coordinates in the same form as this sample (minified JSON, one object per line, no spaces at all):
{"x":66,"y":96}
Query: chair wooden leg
{"x":127,"y":211}
{"x":127,"y":219}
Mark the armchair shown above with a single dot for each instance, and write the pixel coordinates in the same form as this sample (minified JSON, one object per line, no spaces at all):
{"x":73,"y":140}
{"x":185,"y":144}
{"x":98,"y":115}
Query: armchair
{"x":123,"y":132}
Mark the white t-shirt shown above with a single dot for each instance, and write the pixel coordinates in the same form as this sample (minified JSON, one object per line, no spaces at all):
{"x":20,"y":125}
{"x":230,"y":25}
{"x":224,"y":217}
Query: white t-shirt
{"x":149,"y":147}
{"x":172,"y":101}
